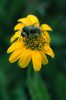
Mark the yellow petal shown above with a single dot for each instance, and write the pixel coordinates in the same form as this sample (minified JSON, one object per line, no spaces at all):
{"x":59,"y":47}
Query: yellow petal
{"x":15,"y":55}
{"x":48,"y":50}
{"x":45,"y":27}
{"x":15,"y":36}
{"x":21,"y":20}
{"x":46,"y":36}
{"x":33,"y":20}
{"x":29,"y":20}
{"x":19,"y":26}
{"x":44,"y":58}
{"x":36,"y":59}
{"x":25,"y":21}
{"x":25,"y":58}
{"x":14,"y":46}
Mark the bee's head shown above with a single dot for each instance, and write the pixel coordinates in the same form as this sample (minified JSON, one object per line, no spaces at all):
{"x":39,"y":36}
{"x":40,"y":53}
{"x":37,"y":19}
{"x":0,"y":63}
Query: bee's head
{"x":25,"y":31}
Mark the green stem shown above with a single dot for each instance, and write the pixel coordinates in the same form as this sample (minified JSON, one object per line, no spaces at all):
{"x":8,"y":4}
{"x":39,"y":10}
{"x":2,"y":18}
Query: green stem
{"x":29,"y":74}
{"x":30,"y":81}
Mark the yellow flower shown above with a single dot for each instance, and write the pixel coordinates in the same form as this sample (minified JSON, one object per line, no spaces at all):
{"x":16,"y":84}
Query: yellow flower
{"x":30,"y":42}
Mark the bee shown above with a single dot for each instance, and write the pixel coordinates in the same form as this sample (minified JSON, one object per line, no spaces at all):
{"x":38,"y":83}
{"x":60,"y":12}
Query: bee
{"x":27,"y":30}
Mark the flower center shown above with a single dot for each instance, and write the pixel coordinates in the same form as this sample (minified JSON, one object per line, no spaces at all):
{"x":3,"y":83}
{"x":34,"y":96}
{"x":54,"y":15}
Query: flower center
{"x":35,"y":42}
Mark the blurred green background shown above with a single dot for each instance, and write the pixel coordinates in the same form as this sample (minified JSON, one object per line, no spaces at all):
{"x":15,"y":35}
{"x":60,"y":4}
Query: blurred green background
{"x":50,"y":82}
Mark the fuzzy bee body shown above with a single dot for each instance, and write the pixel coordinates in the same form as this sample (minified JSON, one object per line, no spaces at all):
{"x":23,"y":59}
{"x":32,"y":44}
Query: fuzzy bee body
{"x":27,"y":30}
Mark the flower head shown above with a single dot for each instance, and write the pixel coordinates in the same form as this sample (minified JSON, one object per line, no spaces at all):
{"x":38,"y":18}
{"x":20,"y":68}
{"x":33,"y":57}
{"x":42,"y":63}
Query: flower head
{"x":30,"y":42}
